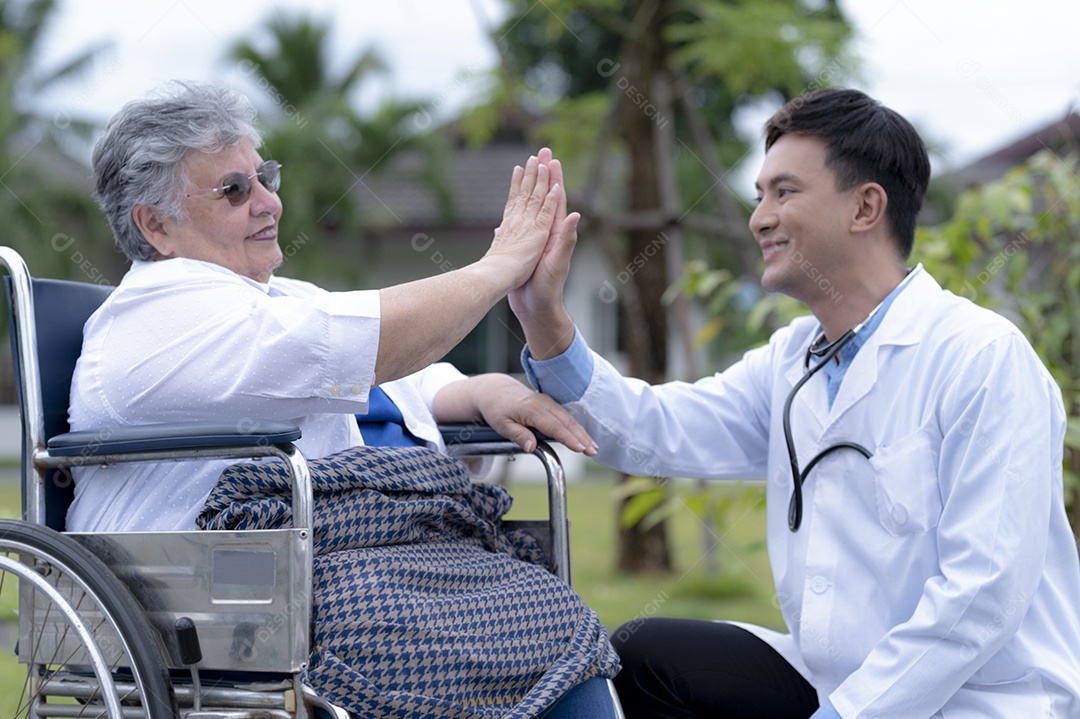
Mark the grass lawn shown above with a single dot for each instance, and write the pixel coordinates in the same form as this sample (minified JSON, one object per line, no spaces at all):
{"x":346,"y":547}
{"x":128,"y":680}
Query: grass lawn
{"x":720,"y":572}
{"x":729,"y":581}
{"x":12,"y":673}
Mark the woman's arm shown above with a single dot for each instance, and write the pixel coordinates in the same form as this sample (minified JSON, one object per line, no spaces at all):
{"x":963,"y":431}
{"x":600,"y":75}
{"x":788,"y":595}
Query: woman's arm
{"x":421,"y":321}
{"x":512,"y":409}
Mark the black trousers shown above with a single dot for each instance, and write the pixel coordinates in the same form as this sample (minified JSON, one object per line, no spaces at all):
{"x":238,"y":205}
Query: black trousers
{"x":686,"y":668}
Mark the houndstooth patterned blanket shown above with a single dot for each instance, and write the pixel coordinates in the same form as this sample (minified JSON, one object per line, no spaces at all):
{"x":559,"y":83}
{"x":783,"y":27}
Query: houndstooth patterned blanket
{"x":423,"y":605}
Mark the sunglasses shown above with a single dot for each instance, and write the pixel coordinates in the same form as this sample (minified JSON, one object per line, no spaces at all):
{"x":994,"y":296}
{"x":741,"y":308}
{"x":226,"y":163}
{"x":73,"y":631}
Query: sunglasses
{"x":236,"y":187}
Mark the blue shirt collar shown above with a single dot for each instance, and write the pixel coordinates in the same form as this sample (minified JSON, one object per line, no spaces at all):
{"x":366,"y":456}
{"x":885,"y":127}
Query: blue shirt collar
{"x":834,"y":372}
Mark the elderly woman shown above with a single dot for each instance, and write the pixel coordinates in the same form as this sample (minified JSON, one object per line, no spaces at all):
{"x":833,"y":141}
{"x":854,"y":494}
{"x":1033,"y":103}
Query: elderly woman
{"x":201,"y":329}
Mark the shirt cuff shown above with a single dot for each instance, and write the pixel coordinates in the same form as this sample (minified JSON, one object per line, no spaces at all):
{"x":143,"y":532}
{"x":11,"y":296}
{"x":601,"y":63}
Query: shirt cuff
{"x":826,"y":712}
{"x":565,"y":377}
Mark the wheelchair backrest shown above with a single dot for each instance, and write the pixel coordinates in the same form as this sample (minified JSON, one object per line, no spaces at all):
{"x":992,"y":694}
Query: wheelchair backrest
{"x":60,"y":308}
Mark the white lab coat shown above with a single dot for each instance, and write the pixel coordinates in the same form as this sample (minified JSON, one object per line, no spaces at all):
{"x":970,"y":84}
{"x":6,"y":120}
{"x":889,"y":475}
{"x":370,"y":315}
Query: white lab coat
{"x":185,"y":340}
{"x":940,"y":577}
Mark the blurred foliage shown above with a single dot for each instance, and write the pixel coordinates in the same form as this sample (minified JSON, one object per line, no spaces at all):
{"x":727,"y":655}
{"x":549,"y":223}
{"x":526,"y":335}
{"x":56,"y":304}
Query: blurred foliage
{"x":1011,"y":245}
{"x":591,"y":71}
{"x":23,"y":28}
{"x":45,"y":200}
{"x":566,"y":63}
{"x":717,"y":507}
{"x":329,"y":151}
{"x":739,"y":314}
{"x":732,"y":50}
{"x":296,"y":63}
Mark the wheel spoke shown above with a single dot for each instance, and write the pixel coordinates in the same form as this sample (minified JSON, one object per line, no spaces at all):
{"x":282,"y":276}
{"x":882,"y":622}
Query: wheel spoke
{"x":78,"y":622}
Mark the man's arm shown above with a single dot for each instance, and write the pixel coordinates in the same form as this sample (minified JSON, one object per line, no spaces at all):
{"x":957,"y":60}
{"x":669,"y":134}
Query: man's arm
{"x":713,"y":428}
{"x":538,"y":303}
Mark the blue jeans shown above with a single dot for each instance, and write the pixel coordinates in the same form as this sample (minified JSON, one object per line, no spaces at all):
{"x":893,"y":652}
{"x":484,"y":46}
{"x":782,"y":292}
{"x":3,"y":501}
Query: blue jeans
{"x":589,"y":700}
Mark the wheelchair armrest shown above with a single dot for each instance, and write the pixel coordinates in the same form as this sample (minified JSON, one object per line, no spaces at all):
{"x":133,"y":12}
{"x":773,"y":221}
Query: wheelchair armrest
{"x":171,"y":436}
{"x":476,"y":439}
{"x":462,"y":436}
{"x":183,"y":441}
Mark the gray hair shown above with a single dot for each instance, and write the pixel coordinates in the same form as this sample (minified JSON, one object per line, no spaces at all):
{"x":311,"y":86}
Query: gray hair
{"x":138,"y":158}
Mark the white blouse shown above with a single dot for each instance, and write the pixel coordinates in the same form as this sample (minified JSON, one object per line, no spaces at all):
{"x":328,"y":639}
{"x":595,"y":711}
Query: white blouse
{"x":181,"y":340}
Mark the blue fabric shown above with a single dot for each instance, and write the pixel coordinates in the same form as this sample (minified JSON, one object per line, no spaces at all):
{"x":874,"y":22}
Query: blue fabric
{"x":383,"y":425}
{"x":827,"y":711}
{"x":834,"y":372}
{"x":563,"y":378}
{"x":589,"y":700}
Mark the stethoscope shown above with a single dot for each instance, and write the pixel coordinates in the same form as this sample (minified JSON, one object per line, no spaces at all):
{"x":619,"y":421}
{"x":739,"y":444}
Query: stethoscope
{"x":826,"y":355}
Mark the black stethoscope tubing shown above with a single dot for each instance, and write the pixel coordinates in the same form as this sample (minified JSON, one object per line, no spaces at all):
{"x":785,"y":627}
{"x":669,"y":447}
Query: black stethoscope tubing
{"x":827,"y":353}
{"x":795,"y":507}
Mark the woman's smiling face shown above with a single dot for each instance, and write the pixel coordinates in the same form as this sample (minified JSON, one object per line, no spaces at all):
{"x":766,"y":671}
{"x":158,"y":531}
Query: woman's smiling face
{"x":242,"y":238}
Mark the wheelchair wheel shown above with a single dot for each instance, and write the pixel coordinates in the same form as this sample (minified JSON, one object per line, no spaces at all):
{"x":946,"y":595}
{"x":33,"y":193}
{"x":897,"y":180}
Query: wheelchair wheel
{"x":88,"y":648}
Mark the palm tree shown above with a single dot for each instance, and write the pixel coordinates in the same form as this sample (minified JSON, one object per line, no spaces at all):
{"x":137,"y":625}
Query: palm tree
{"x":23,"y":25}
{"x":43,"y":190}
{"x":327,"y":146}
{"x":45,"y":202}
{"x":296,"y":67}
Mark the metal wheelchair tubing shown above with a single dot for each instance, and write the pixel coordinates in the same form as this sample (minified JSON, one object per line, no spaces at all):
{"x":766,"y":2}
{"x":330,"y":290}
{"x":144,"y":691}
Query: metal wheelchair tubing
{"x":34,"y":438}
{"x":86,"y":571}
{"x":560,"y":526}
{"x":288,"y":453}
{"x":101,"y":668}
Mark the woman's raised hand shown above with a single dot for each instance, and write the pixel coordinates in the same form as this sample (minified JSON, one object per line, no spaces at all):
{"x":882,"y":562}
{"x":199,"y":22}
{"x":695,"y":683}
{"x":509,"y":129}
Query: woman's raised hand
{"x":532,"y":206}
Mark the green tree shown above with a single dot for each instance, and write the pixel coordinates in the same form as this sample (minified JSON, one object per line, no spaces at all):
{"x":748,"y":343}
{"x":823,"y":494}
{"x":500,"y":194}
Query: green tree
{"x":49,"y":215}
{"x":23,"y":30}
{"x":326,"y":146}
{"x":48,"y":212}
{"x":1011,"y":246}
{"x":657,"y":83}
{"x":45,"y":197}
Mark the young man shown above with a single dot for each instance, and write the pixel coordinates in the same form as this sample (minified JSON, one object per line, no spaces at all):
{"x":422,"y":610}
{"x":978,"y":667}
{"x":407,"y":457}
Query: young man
{"x":912,"y":447}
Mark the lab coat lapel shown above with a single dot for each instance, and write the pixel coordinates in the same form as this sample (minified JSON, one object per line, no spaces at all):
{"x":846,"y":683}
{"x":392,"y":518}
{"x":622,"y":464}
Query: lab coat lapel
{"x":811,"y":398}
{"x":901,"y":326}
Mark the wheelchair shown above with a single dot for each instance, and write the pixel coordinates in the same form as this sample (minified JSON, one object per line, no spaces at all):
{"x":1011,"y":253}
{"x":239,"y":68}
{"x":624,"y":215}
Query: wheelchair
{"x":199,"y":624}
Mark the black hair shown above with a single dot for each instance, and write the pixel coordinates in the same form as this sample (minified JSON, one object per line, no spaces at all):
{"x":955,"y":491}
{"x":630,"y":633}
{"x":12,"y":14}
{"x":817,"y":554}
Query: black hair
{"x":865,"y":142}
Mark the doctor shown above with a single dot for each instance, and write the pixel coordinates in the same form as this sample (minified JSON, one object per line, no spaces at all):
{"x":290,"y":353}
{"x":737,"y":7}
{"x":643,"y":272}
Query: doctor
{"x":912,"y":447}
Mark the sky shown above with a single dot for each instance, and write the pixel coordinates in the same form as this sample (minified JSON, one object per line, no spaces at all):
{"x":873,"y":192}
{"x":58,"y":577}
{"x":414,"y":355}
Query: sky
{"x":971,"y":78}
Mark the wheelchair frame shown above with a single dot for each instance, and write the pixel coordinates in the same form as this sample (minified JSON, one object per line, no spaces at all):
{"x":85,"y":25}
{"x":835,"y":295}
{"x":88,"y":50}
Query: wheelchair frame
{"x":206,"y":603}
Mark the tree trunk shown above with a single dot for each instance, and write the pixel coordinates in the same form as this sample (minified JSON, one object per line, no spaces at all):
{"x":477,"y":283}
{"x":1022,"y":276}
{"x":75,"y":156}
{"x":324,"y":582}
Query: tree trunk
{"x":647,"y":268}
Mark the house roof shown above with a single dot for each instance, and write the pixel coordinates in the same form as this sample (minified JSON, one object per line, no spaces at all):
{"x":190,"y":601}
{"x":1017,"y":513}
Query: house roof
{"x":1057,"y":136}
{"x":478,"y":181}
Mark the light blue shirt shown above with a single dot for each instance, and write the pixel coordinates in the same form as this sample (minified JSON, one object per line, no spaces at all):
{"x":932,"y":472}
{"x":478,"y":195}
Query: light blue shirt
{"x":834,"y":372}
{"x":563,"y":378}
{"x":826,"y":712}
